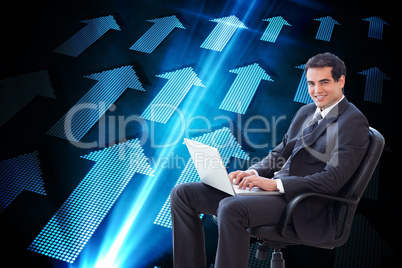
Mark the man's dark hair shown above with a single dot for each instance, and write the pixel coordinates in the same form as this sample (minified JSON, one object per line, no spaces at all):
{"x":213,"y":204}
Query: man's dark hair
{"x":327,"y":60}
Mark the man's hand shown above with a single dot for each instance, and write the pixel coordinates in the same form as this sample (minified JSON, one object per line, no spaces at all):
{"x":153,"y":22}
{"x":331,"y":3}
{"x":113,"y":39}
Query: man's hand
{"x":260,"y":182}
{"x":237,"y":176}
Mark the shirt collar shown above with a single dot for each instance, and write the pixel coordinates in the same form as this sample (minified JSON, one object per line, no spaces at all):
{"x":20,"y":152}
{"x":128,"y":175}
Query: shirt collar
{"x":327,"y":110}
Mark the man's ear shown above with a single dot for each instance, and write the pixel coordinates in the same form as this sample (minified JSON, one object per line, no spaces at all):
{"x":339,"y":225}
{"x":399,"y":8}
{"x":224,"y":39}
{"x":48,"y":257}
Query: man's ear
{"x":341,"y":81}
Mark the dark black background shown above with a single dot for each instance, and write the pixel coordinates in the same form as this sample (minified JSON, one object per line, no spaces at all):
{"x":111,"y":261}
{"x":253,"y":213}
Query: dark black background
{"x":31,"y":30}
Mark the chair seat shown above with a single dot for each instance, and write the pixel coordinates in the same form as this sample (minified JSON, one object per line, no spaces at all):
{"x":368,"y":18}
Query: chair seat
{"x":274,"y":239}
{"x":270,"y":234}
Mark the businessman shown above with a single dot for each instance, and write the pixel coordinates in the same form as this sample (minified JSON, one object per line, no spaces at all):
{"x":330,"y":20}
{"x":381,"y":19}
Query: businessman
{"x":322,"y":148}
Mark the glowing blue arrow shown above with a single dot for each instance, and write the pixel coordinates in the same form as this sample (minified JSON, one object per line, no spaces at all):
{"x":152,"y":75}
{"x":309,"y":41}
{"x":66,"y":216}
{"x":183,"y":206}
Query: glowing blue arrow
{"x":18,"y":91}
{"x":90,"y":108}
{"x":68,"y":231}
{"x":326,"y":27}
{"x":374,"y":84}
{"x":376,"y":27}
{"x":222,"y":33}
{"x":87,"y":35}
{"x":173,"y":92}
{"x":18,"y":174}
{"x":302,"y":94}
{"x":228,"y":147}
{"x":243,"y":88}
{"x":157,"y":33}
{"x":274,"y":28}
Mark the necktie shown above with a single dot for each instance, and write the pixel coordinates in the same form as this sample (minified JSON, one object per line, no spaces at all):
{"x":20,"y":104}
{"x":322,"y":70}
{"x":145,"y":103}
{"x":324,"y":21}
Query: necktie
{"x":305,"y":133}
{"x":308,"y":130}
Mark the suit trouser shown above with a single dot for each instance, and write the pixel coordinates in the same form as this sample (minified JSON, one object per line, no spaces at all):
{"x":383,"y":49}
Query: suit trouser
{"x":235,"y":214}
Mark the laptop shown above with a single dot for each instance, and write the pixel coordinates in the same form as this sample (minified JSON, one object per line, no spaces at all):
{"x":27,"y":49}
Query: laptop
{"x":212,"y":171}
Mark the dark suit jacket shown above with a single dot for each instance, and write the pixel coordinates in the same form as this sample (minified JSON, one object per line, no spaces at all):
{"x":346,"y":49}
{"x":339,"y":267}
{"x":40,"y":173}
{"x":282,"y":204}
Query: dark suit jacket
{"x":328,"y":159}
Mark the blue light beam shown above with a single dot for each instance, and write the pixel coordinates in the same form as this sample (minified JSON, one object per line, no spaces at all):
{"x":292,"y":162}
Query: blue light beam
{"x":68,"y":231}
{"x":132,"y":252}
{"x":116,"y":239}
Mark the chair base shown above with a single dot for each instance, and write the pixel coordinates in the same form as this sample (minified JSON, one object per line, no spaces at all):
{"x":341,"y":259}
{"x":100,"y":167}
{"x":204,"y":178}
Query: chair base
{"x":277,"y":260}
{"x":262,"y":251}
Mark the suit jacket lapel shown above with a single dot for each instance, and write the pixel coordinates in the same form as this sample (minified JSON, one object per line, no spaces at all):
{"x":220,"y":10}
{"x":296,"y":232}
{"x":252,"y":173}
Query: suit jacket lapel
{"x":326,"y":121}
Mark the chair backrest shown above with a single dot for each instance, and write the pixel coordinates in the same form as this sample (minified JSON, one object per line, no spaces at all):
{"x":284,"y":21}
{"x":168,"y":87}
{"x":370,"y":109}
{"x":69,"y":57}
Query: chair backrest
{"x":355,"y":187}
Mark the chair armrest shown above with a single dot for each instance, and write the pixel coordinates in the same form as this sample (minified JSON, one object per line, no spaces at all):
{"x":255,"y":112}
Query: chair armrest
{"x":287,"y":214}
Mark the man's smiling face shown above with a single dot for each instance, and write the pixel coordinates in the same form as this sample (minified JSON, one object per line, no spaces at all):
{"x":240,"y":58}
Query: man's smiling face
{"x":322,"y":87}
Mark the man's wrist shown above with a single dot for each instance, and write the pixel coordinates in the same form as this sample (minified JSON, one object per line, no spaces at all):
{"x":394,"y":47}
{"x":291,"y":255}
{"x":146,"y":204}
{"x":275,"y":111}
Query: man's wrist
{"x":279,"y":185}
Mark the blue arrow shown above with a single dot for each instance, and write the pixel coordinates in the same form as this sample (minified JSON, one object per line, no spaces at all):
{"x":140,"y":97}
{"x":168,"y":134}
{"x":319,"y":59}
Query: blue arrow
{"x":173,"y":92}
{"x":222,"y":33}
{"x":18,"y":174}
{"x":302,"y":94}
{"x":374,"y":84}
{"x":18,"y":91}
{"x":228,"y":147}
{"x":243,"y":88}
{"x":274,"y":28}
{"x":90,"y":108}
{"x":376,"y":27}
{"x":326,"y":27}
{"x":68,"y":231}
{"x":157,"y":33}
{"x":87,"y":35}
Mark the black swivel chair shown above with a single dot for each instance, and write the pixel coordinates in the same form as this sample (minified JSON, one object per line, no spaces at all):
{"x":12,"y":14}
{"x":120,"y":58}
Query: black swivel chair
{"x":282,"y":235}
